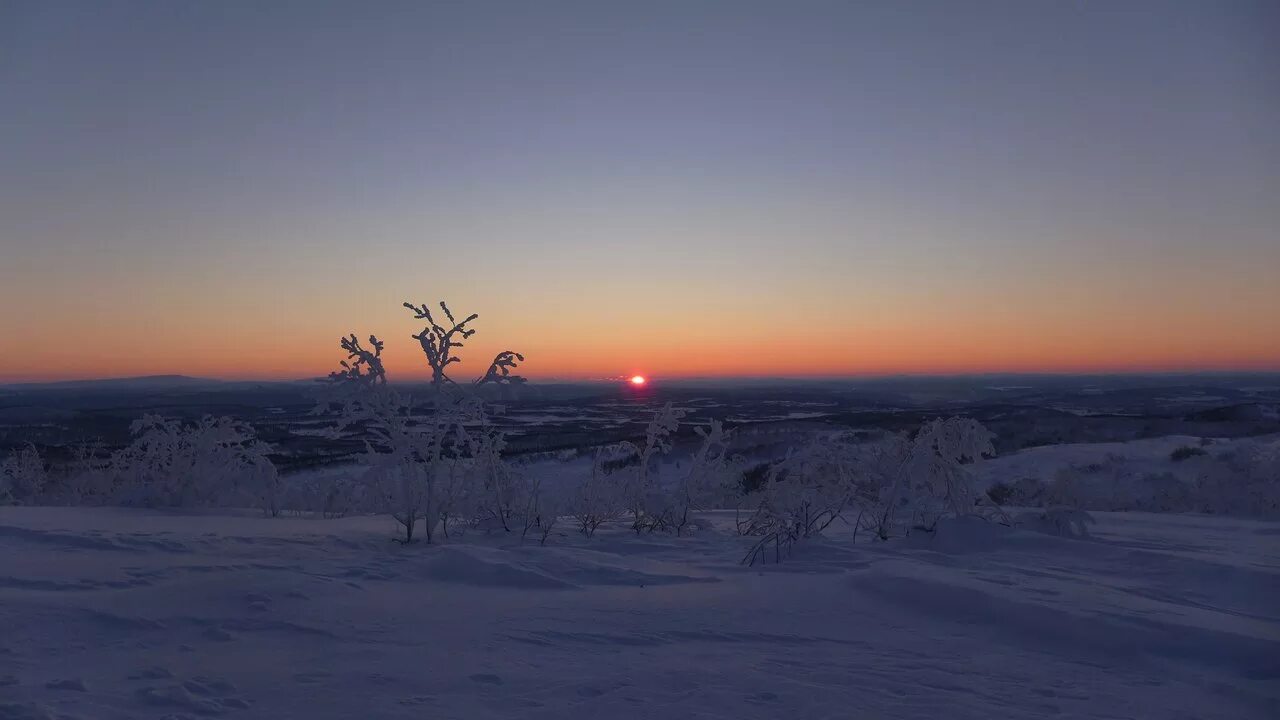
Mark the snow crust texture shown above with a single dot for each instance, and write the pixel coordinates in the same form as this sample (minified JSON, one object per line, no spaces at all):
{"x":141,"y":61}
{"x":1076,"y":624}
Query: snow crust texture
{"x":128,"y":613}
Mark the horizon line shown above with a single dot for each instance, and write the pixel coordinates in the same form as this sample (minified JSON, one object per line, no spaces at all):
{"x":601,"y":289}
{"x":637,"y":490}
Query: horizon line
{"x":1119,"y":372}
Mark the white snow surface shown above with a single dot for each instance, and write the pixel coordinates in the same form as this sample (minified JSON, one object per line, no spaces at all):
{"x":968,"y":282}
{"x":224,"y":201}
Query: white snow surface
{"x":115,"y":613}
{"x":1148,"y":455}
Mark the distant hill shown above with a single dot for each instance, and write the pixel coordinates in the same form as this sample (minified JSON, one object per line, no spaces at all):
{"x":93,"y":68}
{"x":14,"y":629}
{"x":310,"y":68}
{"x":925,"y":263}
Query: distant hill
{"x":143,"y":383}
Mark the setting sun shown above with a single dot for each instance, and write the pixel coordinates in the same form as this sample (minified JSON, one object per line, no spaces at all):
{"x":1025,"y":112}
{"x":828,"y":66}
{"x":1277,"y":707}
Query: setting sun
{"x":638,"y":380}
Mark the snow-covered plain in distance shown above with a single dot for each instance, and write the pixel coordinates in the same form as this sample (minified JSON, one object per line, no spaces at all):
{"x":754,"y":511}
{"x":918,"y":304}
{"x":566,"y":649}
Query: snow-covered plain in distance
{"x":117,"y":613}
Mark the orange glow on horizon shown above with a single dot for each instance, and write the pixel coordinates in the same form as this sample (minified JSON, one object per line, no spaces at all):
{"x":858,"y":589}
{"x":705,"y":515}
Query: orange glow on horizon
{"x":638,"y":380}
{"x":591,"y":343}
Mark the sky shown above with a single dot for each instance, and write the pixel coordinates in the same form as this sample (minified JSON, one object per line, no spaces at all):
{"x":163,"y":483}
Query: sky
{"x":675,"y":189}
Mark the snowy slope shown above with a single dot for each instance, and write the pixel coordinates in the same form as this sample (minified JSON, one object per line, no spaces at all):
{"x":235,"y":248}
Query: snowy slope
{"x":1135,"y":457}
{"x":111,"y":613}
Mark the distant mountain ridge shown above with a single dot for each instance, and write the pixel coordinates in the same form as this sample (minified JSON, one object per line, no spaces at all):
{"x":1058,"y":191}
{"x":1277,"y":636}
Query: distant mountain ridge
{"x":143,"y":382}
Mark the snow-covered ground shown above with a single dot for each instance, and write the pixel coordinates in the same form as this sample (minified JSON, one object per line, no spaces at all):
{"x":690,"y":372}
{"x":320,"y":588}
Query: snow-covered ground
{"x":1146,"y":456}
{"x":113,"y":613}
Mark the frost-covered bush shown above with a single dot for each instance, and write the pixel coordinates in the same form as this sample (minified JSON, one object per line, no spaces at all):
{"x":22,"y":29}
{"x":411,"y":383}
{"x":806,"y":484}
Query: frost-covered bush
{"x":541,"y":507}
{"x":888,"y":486}
{"x":172,"y":463}
{"x":495,"y":491}
{"x":88,"y":478}
{"x":801,"y":496}
{"x":1245,"y":482}
{"x":709,"y":481}
{"x":933,"y":478}
{"x":23,"y":476}
{"x":646,"y":500}
{"x":601,"y":496}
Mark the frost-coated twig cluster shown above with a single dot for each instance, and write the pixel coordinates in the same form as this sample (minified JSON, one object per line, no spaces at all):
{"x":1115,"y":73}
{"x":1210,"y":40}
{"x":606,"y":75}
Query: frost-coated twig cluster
{"x":439,"y":342}
{"x":361,"y":365}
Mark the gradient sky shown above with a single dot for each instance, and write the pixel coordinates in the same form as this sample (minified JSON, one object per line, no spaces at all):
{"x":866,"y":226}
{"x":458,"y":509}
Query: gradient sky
{"x":674,"y":188}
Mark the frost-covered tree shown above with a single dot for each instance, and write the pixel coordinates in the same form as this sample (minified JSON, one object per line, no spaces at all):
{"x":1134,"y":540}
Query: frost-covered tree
{"x":435,"y":463}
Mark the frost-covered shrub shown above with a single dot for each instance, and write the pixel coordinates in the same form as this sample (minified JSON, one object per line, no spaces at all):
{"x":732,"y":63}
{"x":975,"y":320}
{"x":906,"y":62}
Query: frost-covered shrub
{"x":709,"y":481}
{"x":1246,"y":482}
{"x":800,"y":497}
{"x":645,"y":500}
{"x":171,"y":463}
{"x":601,"y":496}
{"x":23,"y":476}
{"x":932,"y":479}
{"x":88,"y":478}
{"x":888,"y":486}
{"x":818,"y":483}
{"x":497,"y":490}
{"x":541,"y":507}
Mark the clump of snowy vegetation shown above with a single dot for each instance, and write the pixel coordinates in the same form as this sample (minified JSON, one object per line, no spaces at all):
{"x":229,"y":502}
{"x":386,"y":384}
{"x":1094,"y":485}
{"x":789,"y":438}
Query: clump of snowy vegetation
{"x":890,"y":487}
{"x":172,"y":463}
{"x":22,"y":476}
